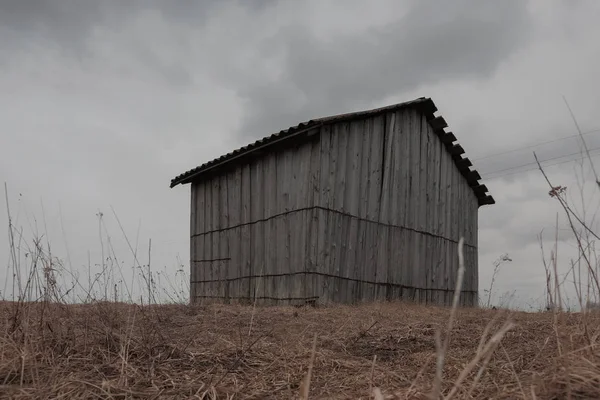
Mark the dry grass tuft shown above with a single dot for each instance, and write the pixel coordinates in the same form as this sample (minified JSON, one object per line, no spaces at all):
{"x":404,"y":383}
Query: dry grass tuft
{"x":111,"y":350}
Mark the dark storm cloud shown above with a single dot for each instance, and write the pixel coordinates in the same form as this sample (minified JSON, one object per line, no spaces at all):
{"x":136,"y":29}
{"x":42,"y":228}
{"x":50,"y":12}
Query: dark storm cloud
{"x":432,"y":42}
{"x":69,"y":22}
{"x":66,"y":22}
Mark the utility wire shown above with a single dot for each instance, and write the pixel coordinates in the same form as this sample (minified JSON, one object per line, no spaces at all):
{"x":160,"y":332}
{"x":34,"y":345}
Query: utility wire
{"x":488,"y":178}
{"x":534,"y":163}
{"x":492,"y":174}
{"x":514,"y":150}
{"x":582,"y":139}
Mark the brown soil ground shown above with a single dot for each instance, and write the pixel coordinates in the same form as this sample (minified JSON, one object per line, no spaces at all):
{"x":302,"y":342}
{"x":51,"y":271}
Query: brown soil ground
{"x":108,"y":350}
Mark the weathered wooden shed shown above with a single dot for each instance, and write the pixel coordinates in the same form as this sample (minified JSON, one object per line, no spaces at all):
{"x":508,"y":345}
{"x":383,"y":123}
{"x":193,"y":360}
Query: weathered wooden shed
{"x":349,"y":208}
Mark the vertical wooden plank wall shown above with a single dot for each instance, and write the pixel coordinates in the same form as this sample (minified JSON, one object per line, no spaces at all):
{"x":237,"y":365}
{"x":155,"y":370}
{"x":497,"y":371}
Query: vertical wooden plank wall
{"x":394,"y":206}
{"x":369,"y":209}
{"x":253,"y":230}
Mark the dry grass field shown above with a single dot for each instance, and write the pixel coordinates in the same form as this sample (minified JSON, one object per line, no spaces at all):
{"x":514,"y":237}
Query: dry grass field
{"x":111,"y":350}
{"x":388,"y":350}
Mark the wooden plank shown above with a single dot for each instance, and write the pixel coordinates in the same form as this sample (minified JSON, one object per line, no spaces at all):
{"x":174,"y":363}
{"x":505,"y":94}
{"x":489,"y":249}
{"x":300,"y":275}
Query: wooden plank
{"x":296,"y":254}
{"x":333,"y":168}
{"x":414,"y":172}
{"x":404,"y":165}
{"x":257,"y":229}
{"x":376,"y":166}
{"x":447,"y":213}
{"x":315,"y":173}
{"x":463,"y":164}
{"x":322,"y":265}
{"x":456,"y":150}
{"x":458,"y":218}
{"x":208,"y":207}
{"x":364,"y":174}
{"x":457,"y":181}
{"x":325,"y":162}
{"x":216,"y":204}
{"x":341,"y":135}
{"x":233,"y":197}
{"x":353,"y":251}
{"x":327,"y":227}
{"x":407,"y":203}
{"x":396,"y":171}
{"x":447,"y":138}
{"x":436,"y":185}
{"x":312,"y":281}
{"x":432,"y":179}
{"x":335,"y":250}
{"x":271,"y":243}
{"x":285,"y":177}
{"x":360,"y":264}
{"x":353,"y":194}
{"x":426,"y":171}
{"x":193,"y":228}
{"x":438,"y":123}
{"x":300,"y":182}
{"x":213,"y":289}
{"x":207,"y":268}
{"x":386,"y":167}
{"x":238,"y":263}
{"x":225,"y":267}
{"x":437,"y":268}
{"x":423,"y":173}
{"x":480,"y":190}
{"x":279,"y":238}
{"x":371,"y":270}
{"x":397,"y":249}
{"x":245,"y":261}
{"x":245,"y":232}
{"x":201,"y":253}
{"x":383,"y":261}
{"x":487,"y":200}
{"x":246,"y":194}
{"x":318,"y":282}
{"x":194,"y":272}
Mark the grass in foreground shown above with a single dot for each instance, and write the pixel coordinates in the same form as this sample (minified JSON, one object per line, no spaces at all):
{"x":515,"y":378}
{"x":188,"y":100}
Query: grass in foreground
{"x":111,"y":350}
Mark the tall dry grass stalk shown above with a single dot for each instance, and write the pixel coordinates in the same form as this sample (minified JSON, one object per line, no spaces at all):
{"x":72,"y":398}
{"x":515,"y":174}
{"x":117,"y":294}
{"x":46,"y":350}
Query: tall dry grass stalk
{"x":484,"y":351}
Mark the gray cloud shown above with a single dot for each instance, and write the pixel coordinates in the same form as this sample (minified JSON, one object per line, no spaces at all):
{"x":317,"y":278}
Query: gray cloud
{"x":69,"y":23}
{"x":432,"y":42}
{"x":106,"y":101}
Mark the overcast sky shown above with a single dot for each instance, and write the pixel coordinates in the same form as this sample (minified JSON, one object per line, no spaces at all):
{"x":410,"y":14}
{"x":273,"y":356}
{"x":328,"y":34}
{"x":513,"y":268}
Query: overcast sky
{"x":102,"y":103}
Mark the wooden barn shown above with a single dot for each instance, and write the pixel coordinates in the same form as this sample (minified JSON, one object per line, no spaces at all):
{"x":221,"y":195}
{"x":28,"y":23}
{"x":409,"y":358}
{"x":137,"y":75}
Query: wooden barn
{"x":349,"y":208}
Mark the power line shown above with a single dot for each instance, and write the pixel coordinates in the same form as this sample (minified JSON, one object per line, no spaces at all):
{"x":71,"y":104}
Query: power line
{"x":514,"y":150}
{"x":534,"y":168}
{"x":534,"y":163}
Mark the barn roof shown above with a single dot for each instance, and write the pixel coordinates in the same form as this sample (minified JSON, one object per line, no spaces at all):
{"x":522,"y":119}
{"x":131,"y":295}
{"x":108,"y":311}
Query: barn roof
{"x":423,"y":104}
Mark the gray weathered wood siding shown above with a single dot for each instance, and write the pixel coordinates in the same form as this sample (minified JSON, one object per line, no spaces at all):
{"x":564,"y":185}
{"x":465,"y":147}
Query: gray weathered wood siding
{"x":368,"y":209}
{"x":250,"y":229}
{"x":394,"y":207}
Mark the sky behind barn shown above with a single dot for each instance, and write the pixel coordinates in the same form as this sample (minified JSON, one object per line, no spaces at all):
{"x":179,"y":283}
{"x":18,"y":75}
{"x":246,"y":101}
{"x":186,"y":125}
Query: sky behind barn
{"x":102,"y":103}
